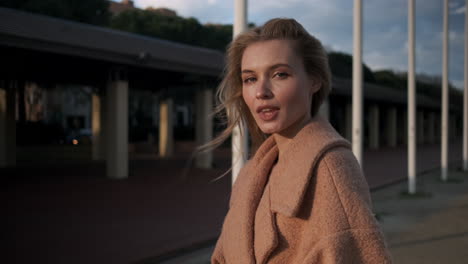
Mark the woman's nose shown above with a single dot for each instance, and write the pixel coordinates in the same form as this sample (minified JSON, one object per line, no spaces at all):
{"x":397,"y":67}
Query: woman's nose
{"x":263,"y":90}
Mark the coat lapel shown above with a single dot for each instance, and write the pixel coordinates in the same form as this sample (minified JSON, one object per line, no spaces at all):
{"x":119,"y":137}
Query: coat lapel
{"x":266,"y":237}
{"x":245,"y":198}
{"x":294,"y":172}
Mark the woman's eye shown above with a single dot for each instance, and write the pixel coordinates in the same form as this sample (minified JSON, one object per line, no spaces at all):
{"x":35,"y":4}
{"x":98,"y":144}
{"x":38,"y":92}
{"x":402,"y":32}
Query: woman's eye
{"x":249,"y":80}
{"x":281,"y":75}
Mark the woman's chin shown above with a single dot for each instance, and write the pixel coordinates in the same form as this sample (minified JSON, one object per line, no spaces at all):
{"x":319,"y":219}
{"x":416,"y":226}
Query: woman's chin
{"x":269,"y":129}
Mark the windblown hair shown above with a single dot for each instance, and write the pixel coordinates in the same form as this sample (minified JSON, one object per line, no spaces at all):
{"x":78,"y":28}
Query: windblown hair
{"x":231,"y":105}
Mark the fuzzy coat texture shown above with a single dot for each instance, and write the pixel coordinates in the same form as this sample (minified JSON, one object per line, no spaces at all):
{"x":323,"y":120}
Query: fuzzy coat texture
{"x":311,"y":206}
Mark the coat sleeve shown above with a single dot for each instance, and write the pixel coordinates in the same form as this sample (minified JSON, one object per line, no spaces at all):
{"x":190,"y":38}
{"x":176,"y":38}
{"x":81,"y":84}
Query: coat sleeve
{"x":217,"y":256}
{"x":353,"y":235}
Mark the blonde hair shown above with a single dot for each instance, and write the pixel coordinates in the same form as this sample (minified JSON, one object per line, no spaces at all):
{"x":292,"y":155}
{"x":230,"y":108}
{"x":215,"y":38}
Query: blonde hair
{"x":231,"y":106}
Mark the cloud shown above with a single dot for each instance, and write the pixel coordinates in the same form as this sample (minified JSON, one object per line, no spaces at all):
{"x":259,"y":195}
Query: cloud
{"x":458,"y":83}
{"x":262,"y":5}
{"x":384,"y":27}
{"x":460,"y":10}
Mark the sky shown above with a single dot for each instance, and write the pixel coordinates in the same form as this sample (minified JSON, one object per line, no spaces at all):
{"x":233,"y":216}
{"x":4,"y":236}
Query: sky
{"x":385,"y":26}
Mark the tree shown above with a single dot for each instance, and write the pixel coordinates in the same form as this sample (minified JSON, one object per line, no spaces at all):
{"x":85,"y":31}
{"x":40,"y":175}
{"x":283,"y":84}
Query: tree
{"x":86,"y":11}
{"x":216,"y":36}
{"x":156,"y":24}
{"x":341,"y":65}
{"x":391,"y":79}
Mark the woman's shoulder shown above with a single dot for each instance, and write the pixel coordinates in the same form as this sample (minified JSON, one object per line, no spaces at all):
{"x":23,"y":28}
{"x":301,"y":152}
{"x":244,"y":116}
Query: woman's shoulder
{"x":344,"y":170}
{"x":340,"y":175}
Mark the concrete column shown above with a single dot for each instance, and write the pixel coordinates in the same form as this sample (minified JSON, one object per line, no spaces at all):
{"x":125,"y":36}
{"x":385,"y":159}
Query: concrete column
{"x":166,"y":135}
{"x":341,"y":119}
{"x":204,"y":126}
{"x":420,"y":130}
{"x":374,"y":127}
{"x":155,"y":120}
{"x":357,"y":141}
{"x":97,"y":127}
{"x":349,"y":122}
{"x":155,"y":109}
{"x":453,"y":128}
{"x":104,"y":126}
{"x":445,"y":95}
{"x":8,"y":123}
{"x":11,"y":122}
{"x":240,"y":135}
{"x":324,"y":110}
{"x":392,"y":127}
{"x":431,"y":128}
{"x":117,"y":125}
{"x":438,"y":128}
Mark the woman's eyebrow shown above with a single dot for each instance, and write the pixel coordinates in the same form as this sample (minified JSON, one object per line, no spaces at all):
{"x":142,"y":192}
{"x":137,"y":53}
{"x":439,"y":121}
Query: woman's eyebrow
{"x":280,"y":65}
{"x":272,"y":67}
{"x":247,"y":71}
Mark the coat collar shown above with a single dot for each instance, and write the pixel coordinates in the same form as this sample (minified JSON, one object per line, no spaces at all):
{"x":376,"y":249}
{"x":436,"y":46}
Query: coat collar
{"x":285,"y":190}
{"x":290,"y":183}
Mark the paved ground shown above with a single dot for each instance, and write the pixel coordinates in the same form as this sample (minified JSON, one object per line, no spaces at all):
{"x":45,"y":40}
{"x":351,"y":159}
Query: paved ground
{"x":431,"y":227}
{"x":56,"y":211}
{"x":68,"y":212}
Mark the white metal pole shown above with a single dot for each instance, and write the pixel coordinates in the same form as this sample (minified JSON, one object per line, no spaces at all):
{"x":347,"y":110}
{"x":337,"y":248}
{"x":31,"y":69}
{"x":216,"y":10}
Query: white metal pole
{"x":239,"y":134}
{"x":445,"y":99}
{"x":411,"y":102}
{"x":357,"y":81}
{"x":465,"y":96}
{"x":240,"y":17}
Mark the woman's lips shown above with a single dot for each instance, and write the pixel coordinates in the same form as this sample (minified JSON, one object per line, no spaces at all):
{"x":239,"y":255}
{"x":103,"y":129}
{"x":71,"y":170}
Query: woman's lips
{"x":268,"y":113}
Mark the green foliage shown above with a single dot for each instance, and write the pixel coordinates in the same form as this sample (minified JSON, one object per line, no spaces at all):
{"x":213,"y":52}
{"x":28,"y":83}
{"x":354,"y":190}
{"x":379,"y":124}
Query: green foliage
{"x":217,"y":36}
{"x":86,"y":11}
{"x":390,"y":79}
{"x":341,"y":65}
{"x":175,"y":28}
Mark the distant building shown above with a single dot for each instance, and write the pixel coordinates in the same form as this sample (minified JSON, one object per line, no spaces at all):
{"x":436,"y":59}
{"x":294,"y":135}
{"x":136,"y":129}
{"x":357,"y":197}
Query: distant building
{"x":116,"y":8}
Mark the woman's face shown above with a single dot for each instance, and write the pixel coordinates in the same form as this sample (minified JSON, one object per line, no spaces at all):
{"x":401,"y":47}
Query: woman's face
{"x":276,"y":87}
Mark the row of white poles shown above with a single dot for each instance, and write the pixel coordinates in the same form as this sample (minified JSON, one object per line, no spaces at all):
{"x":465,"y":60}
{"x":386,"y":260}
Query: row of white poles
{"x":239,"y":137}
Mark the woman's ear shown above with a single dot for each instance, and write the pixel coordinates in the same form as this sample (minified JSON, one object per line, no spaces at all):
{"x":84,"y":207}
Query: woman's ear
{"x":316,"y":85}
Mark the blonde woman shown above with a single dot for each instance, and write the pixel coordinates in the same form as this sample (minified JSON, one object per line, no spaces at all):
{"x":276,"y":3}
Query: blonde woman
{"x":302,"y":197}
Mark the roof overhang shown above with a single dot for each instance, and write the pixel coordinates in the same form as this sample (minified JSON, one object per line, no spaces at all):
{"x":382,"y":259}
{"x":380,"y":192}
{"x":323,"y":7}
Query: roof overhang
{"x":37,"y":32}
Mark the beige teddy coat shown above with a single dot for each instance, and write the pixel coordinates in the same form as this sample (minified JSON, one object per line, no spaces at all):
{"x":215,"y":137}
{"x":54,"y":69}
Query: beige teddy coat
{"x":314,"y":207}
